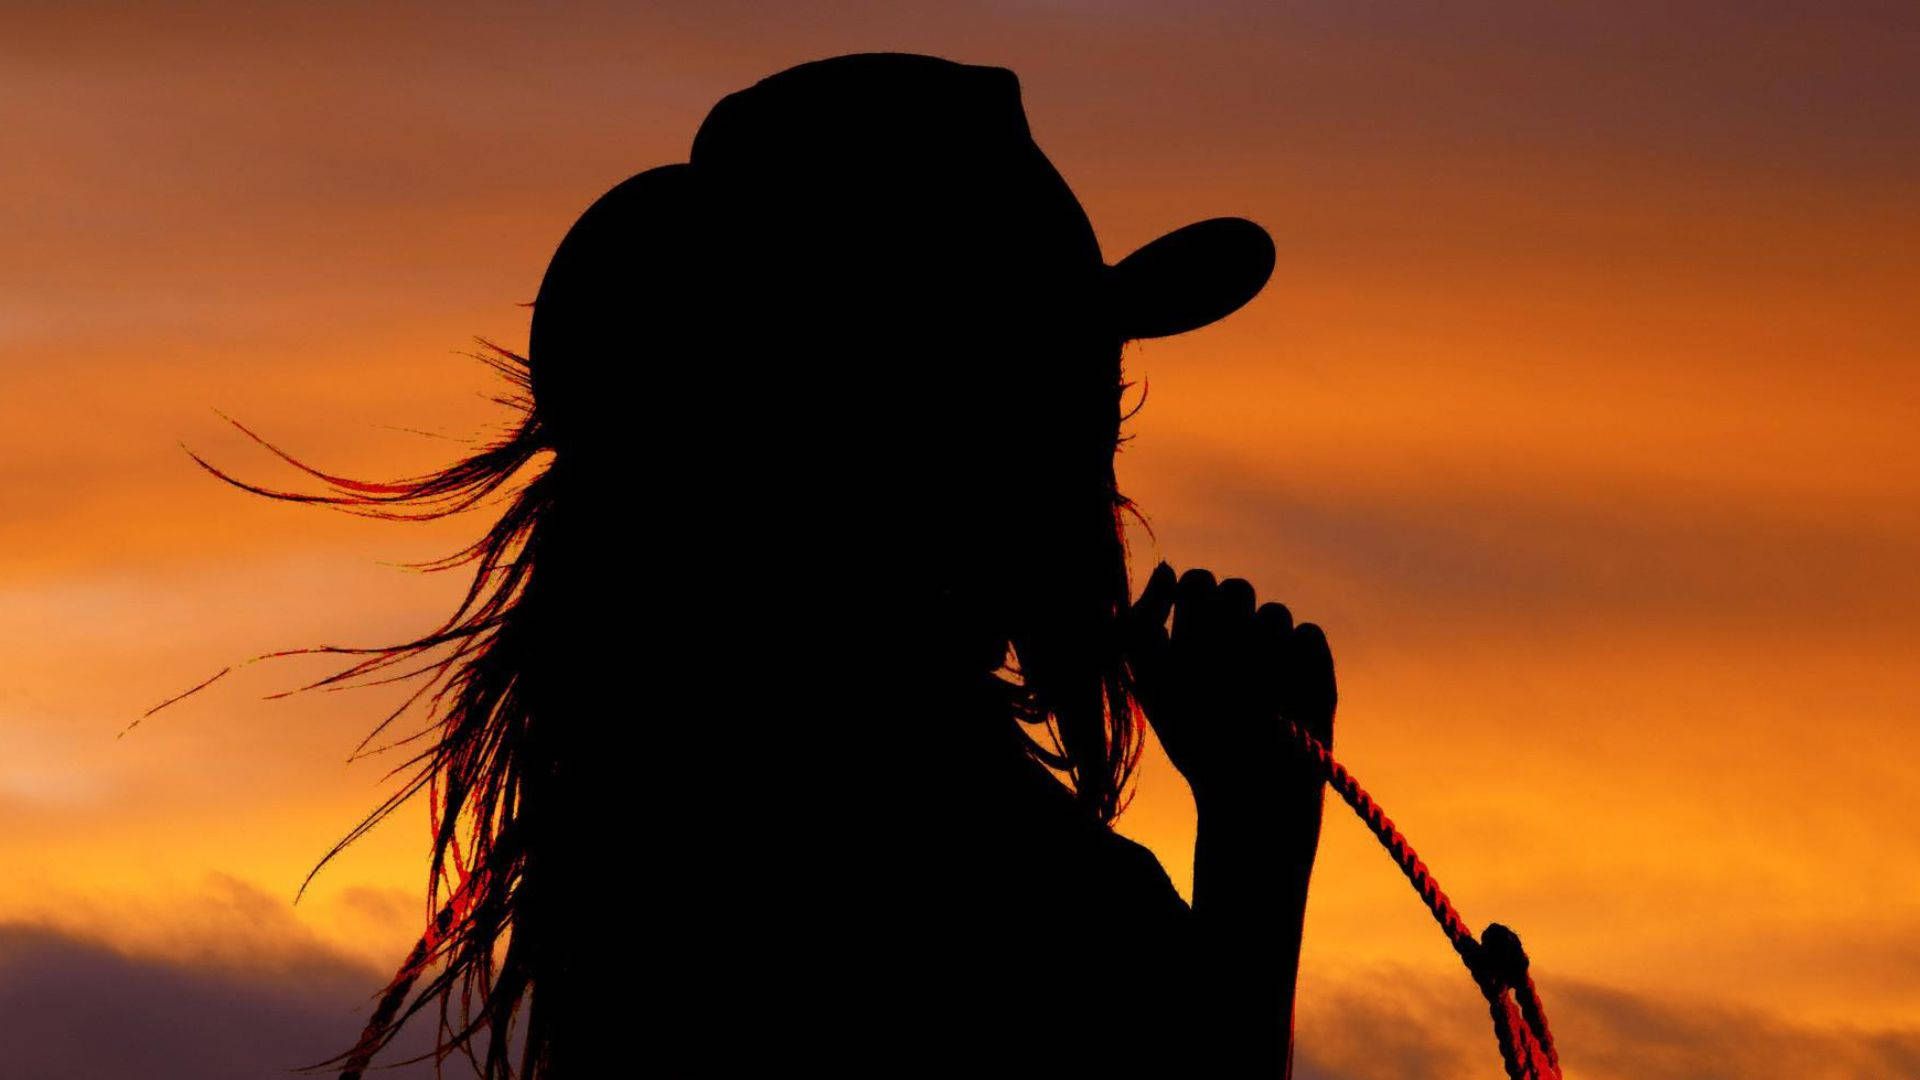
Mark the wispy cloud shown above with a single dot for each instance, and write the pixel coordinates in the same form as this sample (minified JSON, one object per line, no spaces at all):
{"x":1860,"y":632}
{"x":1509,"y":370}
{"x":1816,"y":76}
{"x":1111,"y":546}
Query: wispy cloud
{"x":81,"y":1009}
{"x":1399,"y":1026}
{"x":1588,"y":551}
{"x":78,"y":1009}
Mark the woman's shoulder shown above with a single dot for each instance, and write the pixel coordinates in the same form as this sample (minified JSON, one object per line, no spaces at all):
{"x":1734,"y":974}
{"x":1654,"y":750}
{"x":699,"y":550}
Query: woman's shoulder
{"x":1139,"y":861}
{"x":1073,"y":852}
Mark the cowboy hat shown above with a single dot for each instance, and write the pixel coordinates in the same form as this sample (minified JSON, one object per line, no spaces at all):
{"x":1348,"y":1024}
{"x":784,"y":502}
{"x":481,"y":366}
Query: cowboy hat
{"x":939,"y":154}
{"x":879,"y":194}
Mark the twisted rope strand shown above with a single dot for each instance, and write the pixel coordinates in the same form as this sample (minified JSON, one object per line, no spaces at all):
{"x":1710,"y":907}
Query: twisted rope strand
{"x":1495,"y":960}
{"x":1536,"y":1016}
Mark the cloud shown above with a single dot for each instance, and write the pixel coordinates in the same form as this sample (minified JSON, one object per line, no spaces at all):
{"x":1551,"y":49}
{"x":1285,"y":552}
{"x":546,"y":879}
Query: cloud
{"x":1408,"y":1027}
{"x":78,"y":1010}
{"x":244,"y":994}
{"x":1593,"y":555}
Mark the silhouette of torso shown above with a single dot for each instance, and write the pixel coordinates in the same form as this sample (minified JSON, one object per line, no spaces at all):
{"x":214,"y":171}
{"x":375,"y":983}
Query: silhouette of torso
{"x":1027,"y":942}
{"x":794,"y":879}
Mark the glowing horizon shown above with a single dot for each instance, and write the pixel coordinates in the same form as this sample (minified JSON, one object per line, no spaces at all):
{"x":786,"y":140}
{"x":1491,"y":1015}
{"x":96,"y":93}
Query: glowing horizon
{"x":1579,"y":412}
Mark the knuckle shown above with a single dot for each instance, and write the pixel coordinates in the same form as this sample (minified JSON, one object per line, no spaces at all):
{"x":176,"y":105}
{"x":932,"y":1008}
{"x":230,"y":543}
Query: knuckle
{"x":1196,"y":579}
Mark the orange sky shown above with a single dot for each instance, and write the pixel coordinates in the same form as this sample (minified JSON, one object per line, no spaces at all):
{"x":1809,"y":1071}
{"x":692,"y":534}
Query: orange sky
{"x":1579,"y":412}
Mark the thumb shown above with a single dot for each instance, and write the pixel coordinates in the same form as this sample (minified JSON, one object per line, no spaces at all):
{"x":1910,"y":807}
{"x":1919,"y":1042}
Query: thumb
{"x":1155,"y":602}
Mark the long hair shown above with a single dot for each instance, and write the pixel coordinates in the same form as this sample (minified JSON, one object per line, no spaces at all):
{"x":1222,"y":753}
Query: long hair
{"x":486,"y":760}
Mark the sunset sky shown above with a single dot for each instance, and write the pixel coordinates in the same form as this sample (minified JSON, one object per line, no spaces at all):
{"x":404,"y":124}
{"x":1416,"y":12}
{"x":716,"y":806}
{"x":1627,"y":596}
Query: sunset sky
{"x":1580,"y":412}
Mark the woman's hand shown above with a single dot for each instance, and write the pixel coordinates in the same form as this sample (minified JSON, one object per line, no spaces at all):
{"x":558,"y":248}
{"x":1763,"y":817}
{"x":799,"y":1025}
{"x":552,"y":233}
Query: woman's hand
{"x":1216,"y":687}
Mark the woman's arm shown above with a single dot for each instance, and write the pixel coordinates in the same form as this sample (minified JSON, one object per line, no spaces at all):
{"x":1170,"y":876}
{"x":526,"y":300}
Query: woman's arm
{"x":1215,"y":689}
{"x":1249,"y":903}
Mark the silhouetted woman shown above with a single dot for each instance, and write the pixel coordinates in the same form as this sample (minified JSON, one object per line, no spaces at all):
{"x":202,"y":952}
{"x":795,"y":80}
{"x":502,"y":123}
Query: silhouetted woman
{"x":796,"y":692}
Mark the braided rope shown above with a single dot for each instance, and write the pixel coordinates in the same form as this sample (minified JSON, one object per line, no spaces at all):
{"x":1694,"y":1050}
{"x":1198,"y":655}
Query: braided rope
{"x":1495,"y":960}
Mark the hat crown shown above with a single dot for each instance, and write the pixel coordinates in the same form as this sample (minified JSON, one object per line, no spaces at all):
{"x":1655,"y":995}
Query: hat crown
{"x":860,"y":105}
{"x":922,"y":159}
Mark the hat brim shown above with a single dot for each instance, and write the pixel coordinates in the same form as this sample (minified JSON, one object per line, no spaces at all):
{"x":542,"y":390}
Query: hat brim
{"x":1192,"y":276}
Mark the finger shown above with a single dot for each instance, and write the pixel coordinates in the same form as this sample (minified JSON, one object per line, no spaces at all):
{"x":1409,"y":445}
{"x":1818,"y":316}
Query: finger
{"x":1311,"y":688}
{"x":1272,"y":651}
{"x":1156,"y":598}
{"x":1244,"y":675}
{"x":1234,"y":601}
{"x":1274,"y":622}
{"x":1190,"y":604}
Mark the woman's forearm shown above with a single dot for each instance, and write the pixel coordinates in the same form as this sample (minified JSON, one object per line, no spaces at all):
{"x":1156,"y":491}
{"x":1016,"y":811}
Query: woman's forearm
{"x":1251,"y":870}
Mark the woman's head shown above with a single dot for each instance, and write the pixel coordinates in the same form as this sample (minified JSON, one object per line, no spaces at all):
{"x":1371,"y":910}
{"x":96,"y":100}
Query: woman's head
{"x":868,"y":326}
{"x":831,"y":411}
